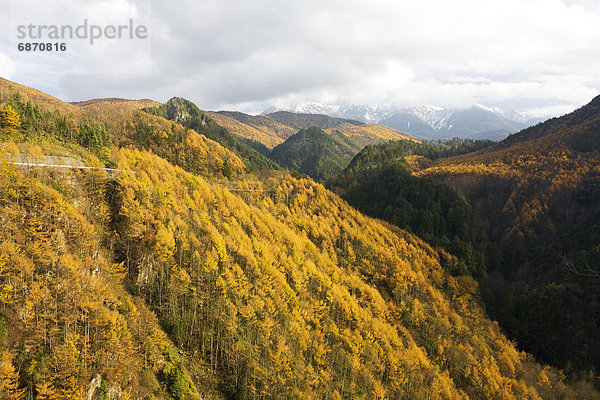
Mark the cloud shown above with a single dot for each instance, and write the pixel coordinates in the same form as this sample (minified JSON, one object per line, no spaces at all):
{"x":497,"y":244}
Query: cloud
{"x":525,"y":54}
{"x":7,"y":66}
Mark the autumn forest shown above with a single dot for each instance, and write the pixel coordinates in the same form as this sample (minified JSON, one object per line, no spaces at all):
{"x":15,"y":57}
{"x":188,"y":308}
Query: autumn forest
{"x":158,"y":251}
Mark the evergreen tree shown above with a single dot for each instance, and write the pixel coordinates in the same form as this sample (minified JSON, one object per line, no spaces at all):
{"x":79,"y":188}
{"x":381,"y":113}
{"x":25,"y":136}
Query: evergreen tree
{"x":10,"y":121}
{"x":9,"y":379}
{"x":45,"y":391}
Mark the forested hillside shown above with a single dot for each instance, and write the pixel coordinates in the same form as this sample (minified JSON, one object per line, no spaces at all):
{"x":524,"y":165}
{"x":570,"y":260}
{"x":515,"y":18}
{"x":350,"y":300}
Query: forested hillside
{"x":179,"y":275}
{"x":273,"y":129}
{"x":539,"y":191}
{"x":379,"y":182}
{"x":301,"y":121}
{"x":189,"y":115}
{"x":258,"y":128}
{"x":315,"y":153}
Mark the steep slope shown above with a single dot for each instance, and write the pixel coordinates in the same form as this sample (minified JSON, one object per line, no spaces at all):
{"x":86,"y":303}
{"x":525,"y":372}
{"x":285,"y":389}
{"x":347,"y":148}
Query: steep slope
{"x":274,"y":129}
{"x":426,"y":122}
{"x":315,"y":153}
{"x":270,"y":287}
{"x":539,"y":190}
{"x":378,"y":182}
{"x":439,"y":123}
{"x":259,"y":128}
{"x":301,"y":121}
{"x":366,"y":134}
{"x":68,"y":328}
{"x":189,"y":115}
{"x":317,"y":314}
{"x":561,"y":153}
{"x":41,"y":99}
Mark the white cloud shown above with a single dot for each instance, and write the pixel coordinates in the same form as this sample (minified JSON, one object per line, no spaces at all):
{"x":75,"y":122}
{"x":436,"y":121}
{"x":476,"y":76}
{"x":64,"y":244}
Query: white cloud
{"x":105,"y":56}
{"x":7,"y":66}
{"x":526,"y":54}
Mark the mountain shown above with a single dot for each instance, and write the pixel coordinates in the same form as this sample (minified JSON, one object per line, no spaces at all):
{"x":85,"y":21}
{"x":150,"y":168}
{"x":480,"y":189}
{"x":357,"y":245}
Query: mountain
{"x":538,"y":192}
{"x":273,"y":129}
{"x":315,"y":153}
{"x":8,"y":88}
{"x":306,"y":108}
{"x":189,"y":115}
{"x":432,"y":122}
{"x":477,"y":122}
{"x":365,"y":113}
{"x":409,"y":121}
{"x":259,"y":128}
{"x":378,"y":182}
{"x":368,"y":114}
{"x":169,"y":276}
{"x":322,"y":153}
{"x":366,"y":134}
{"x":102,"y":103}
{"x":301,"y":121}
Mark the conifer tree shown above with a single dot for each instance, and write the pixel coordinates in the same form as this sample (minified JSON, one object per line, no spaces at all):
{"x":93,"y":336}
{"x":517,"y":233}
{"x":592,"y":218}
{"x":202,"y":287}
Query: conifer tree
{"x":45,"y":391}
{"x":9,"y":379}
{"x":10,"y":121}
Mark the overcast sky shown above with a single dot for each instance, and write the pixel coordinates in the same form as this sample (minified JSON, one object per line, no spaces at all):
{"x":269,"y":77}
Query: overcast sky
{"x":541,"y":56}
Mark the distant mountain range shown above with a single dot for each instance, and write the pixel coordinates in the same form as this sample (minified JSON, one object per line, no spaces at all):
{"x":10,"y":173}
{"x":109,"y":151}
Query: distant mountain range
{"x":274,"y":128}
{"x":428,"y":122}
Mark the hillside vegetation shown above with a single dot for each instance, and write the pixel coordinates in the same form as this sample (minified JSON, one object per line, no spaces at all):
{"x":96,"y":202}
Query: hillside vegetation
{"x":259,"y":128}
{"x":379,"y":182}
{"x":189,"y":115}
{"x":315,"y":153}
{"x":323,"y":154}
{"x":273,"y":129}
{"x":175,"y":277}
{"x":367,"y":134}
{"x":540,"y":191}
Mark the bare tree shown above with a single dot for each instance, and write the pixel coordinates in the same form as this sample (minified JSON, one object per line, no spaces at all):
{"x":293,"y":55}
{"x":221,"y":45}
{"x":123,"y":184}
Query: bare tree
{"x":581,"y":271}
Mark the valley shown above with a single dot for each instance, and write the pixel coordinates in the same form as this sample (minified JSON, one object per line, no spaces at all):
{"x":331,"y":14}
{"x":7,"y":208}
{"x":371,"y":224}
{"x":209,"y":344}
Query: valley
{"x":166,"y":281}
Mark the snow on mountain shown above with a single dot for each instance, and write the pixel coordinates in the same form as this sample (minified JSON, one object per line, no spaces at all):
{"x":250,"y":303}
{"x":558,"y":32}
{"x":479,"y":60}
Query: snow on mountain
{"x":366,"y":113}
{"x":434,"y":116}
{"x":307,"y":108}
{"x":521,"y":116}
{"x":518,"y":116}
{"x":426,"y":121}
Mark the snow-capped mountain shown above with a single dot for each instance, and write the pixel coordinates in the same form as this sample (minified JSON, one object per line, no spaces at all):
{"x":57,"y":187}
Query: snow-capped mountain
{"x":364,"y":113}
{"x":428,"y":122}
{"x":434,"y":116}
{"x":368,"y":114}
{"x":307,"y":108}
{"x":477,"y":122}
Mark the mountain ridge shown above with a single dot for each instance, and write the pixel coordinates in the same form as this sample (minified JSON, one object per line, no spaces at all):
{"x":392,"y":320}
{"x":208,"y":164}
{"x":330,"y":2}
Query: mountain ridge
{"x":175,"y":279}
{"x":189,"y":115}
{"x":273,"y":129}
{"x":538,"y":190}
{"x":428,"y":122}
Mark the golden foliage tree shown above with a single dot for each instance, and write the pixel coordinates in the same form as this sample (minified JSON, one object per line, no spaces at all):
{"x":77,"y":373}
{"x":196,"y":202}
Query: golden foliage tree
{"x":10,"y":121}
{"x":9,"y":378}
{"x":45,"y":391}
